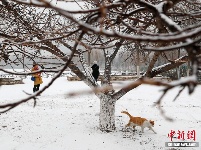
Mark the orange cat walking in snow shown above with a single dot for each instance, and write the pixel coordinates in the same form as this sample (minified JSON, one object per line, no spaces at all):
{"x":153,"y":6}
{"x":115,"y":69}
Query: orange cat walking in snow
{"x":138,"y":121}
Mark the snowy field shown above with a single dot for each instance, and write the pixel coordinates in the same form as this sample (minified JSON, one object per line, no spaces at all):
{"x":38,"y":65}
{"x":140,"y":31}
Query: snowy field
{"x":59,"y":122}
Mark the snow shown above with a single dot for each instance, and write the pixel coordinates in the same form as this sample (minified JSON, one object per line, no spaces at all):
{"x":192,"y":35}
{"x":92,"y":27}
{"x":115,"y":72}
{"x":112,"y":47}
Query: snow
{"x":59,"y":122}
{"x":192,"y":78}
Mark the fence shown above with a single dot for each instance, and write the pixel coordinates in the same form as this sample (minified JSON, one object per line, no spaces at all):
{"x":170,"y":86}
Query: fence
{"x":10,"y":81}
{"x":117,"y":78}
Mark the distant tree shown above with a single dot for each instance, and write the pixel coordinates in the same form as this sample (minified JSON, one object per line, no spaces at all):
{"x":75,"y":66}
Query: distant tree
{"x":33,"y":29}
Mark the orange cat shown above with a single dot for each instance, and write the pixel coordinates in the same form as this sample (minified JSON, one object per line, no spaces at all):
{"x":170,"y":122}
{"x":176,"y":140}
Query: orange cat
{"x":138,"y":121}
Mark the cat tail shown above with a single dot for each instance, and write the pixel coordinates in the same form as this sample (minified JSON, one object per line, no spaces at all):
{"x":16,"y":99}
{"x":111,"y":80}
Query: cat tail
{"x":125,"y":112}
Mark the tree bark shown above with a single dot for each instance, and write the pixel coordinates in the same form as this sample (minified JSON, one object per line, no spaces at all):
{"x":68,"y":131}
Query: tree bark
{"x":151,"y":64}
{"x":107,"y":113}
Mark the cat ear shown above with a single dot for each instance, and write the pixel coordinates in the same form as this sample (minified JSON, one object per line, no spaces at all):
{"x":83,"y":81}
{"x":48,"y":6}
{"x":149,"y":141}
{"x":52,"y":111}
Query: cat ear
{"x":152,"y":122}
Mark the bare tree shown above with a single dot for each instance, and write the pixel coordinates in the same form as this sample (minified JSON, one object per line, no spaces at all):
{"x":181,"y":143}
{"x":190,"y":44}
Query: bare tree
{"x":31,"y":28}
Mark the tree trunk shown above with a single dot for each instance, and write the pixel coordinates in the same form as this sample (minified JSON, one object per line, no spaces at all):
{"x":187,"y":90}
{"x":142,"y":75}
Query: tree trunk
{"x":107,"y":113}
{"x":188,"y":69}
{"x":138,"y":63}
{"x":178,"y":72}
{"x":138,"y":71}
{"x":151,"y":64}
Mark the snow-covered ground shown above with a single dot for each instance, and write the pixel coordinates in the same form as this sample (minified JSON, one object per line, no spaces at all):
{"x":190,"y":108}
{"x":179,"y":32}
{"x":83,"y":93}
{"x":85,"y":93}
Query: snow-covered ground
{"x":59,"y":122}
